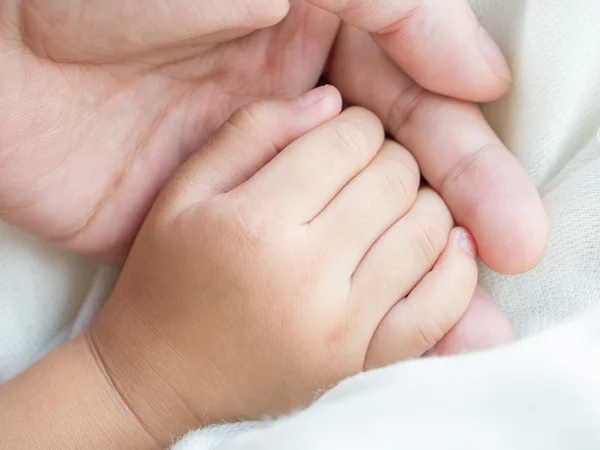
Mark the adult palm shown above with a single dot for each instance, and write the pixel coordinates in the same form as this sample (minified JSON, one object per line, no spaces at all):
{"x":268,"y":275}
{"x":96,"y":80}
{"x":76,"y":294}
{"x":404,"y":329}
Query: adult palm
{"x":101,"y":101}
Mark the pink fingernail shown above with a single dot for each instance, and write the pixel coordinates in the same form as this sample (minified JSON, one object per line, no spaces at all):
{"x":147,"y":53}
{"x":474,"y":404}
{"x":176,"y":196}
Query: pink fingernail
{"x":467,"y":243}
{"x":312,"y":97}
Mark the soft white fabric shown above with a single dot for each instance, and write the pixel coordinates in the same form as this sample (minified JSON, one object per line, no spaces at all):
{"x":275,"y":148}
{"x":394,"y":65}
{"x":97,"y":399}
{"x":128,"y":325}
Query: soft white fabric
{"x":47,"y":296}
{"x":532,"y":395}
{"x":541,"y":394}
{"x":551,"y":120}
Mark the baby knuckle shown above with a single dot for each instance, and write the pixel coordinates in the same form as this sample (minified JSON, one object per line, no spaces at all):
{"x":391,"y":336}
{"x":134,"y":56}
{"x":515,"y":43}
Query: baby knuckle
{"x":459,"y":290}
{"x":210,"y":209}
{"x":254,"y":111}
{"x":403,"y":157}
{"x":239,"y":118}
{"x":250,"y":121}
{"x":410,"y":163}
{"x":434,"y":205}
{"x":348,"y":142}
{"x":354,"y":137}
{"x":397,"y":184}
{"x":429,"y":240}
{"x":253,"y":231}
{"x":428,"y":332}
{"x":462,"y":285}
{"x":401,"y":179}
{"x":245,"y":227}
{"x":247,"y":118}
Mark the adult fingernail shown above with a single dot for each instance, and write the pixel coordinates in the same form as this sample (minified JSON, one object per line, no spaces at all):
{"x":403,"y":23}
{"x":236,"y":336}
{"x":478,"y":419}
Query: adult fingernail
{"x":312,"y":97}
{"x":467,"y":243}
{"x":493,"y":55}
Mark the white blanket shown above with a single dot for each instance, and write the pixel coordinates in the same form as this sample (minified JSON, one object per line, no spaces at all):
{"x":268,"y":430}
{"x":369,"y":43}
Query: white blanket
{"x":541,"y":393}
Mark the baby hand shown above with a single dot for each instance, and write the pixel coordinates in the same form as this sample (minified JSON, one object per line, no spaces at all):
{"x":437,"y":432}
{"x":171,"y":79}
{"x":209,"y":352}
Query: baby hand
{"x":294,"y":250}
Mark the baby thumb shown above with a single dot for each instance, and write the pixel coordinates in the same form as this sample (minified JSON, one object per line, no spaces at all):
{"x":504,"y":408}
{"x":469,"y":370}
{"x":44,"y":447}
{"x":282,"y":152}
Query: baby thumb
{"x":251,"y":137}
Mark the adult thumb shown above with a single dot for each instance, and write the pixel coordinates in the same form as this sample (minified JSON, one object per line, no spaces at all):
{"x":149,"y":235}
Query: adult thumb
{"x":439,"y":43}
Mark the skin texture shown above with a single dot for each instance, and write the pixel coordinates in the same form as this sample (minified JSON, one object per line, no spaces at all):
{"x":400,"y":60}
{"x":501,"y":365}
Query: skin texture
{"x":101,"y":102}
{"x":260,"y":278}
{"x":305,"y":266}
{"x":272,"y":276}
{"x":90,"y":134}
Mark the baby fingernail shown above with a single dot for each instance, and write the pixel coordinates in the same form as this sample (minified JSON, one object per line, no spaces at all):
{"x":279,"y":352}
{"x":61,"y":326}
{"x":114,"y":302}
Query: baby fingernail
{"x":312,"y":97}
{"x":467,"y":243}
{"x":493,"y":55}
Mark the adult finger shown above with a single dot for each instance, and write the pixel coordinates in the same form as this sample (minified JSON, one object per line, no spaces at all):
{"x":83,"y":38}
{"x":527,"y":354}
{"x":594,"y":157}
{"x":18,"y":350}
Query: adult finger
{"x":485,"y":187}
{"x":439,"y":43}
{"x":99,"y":30}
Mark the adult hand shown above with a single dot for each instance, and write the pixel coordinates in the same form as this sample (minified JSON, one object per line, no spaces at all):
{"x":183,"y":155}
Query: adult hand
{"x":100,"y":101}
{"x":432,"y":51}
